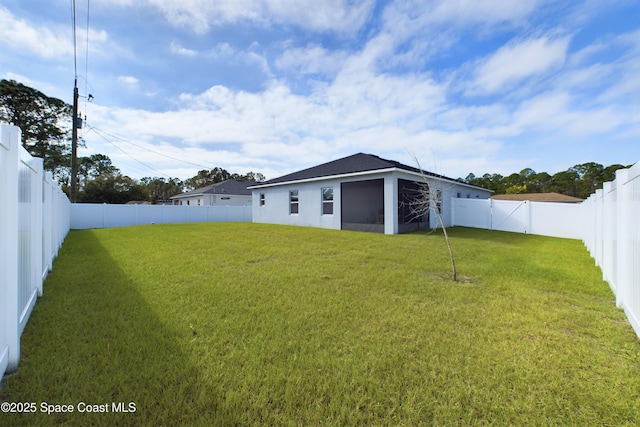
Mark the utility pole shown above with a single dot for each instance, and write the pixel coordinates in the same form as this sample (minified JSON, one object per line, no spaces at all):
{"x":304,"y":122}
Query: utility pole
{"x":74,"y":145}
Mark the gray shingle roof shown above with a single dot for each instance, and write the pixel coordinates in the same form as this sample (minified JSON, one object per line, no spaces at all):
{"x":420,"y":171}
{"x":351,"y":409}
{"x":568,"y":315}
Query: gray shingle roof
{"x":230,"y":186}
{"x":355,"y":163}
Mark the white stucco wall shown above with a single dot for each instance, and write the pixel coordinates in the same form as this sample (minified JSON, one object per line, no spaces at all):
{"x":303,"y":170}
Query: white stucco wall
{"x":276,"y":208}
{"x":277,"y":204}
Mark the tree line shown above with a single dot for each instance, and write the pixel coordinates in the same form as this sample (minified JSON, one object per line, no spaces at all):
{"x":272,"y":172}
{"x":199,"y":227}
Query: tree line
{"x":46,"y":130}
{"x":46,"y":133}
{"x":577,"y":181}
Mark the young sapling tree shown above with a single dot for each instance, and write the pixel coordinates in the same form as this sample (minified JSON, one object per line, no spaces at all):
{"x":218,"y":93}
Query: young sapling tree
{"x":429,"y":201}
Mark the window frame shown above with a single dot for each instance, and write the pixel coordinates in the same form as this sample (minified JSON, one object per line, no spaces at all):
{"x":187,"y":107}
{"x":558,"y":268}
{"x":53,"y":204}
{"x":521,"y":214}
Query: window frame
{"x":294,"y":204}
{"x":326,"y":203}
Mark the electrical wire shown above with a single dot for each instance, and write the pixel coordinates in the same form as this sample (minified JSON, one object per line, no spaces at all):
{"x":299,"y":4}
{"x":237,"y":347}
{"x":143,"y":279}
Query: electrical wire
{"x":86,"y":65}
{"x":127,"y":154}
{"x":148,"y":149}
{"x":73,"y":22}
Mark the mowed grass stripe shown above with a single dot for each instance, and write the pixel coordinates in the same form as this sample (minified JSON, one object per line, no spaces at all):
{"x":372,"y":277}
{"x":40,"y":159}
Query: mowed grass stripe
{"x":252,"y":324}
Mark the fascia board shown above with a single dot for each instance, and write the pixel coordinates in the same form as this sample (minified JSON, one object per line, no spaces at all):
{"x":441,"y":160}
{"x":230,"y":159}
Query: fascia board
{"x":324,"y":178}
{"x":365,"y":173}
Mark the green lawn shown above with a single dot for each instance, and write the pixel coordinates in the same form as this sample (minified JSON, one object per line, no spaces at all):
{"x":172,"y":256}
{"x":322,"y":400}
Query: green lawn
{"x":250,"y":324}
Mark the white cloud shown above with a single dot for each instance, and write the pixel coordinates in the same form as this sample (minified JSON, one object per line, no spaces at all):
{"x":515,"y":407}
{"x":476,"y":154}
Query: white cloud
{"x":175,"y":48}
{"x":128,"y":80}
{"x":481,"y":11}
{"x":312,"y":59}
{"x":382,"y":95}
{"x":344,"y":16}
{"x":42,"y":41}
{"x":45,"y":41}
{"x":517,"y":61}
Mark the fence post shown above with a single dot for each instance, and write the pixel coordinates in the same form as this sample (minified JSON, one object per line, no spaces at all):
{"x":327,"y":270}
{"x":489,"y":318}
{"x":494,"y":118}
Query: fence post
{"x":9,"y":332}
{"x":36,"y":222}
{"x":453,"y":214}
{"x":624,"y":261}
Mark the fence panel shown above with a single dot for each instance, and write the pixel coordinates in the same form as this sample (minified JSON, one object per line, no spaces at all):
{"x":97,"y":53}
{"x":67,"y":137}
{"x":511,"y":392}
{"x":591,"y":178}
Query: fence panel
{"x":556,"y":220}
{"x":612,"y":237}
{"x":628,"y":244}
{"x":92,"y":215}
{"x":9,"y":335}
{"x":474,"y":213}
{"x":30,"y":178}
{"x":34,"y":221}
{"x":543,"y":218}
{"x":510,"y":215}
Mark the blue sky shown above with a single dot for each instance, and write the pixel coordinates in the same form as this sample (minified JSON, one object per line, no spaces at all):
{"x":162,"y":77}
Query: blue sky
{"x":274,"y":86}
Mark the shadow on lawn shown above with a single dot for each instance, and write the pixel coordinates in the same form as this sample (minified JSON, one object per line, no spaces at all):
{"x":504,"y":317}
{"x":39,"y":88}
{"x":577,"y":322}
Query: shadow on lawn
{"x":94,"y":339}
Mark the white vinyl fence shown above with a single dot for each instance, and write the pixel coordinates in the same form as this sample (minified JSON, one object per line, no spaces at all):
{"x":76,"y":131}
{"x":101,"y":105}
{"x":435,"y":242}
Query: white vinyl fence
{"x":612,"y":236}
{"x":543,"y":218}
{"x":608,"y":223}
{"x":34,"y":220}
{"x":94,"y":215}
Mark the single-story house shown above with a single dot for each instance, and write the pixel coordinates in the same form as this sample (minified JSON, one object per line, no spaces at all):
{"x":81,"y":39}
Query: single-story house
{"x":538,"y":197}
{"x":359,"y":192}
{"x":232,"y":192}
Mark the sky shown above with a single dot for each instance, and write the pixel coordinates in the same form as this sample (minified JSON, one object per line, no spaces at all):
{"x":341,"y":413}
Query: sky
{"x":275,"y":86}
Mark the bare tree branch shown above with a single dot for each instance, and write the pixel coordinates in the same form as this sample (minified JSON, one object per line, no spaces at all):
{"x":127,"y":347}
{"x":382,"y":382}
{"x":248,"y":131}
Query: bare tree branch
{"x":426,"y":201}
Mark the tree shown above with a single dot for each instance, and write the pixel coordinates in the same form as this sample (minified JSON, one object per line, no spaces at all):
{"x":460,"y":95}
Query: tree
{"x":565,"y":182}
{"x":44,"y":121}
{"x":217,"y":174}
{"x":516,"y":189}
{"x":96,"y":165}
{"x":161,"y":188}
{"x":589,"y":177}
{"x":427,"y":200}
{"x":207,"y":177}
{"x":540,"y":183}
{"x":579,"y":180}
{"x":609,"y":173}
{"x":252,"y":176}
{"x":112,"y":188}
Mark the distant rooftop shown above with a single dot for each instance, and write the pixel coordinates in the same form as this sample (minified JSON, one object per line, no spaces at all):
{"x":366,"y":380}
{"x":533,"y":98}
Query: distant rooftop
{"x":230,"y":186}
{"x":538,"y":197}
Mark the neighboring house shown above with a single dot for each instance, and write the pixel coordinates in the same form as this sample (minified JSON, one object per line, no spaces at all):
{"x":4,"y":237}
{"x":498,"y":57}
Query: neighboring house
{"x":359,"y":192}
{"x":538,"y":197}
{"x":231,"y":192}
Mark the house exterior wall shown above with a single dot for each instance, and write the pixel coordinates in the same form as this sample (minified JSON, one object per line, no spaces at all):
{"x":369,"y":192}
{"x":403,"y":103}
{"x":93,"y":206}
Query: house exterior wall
{"x":276,"y":208}
{"x":214,"y":200}
{"x":454,"y":190}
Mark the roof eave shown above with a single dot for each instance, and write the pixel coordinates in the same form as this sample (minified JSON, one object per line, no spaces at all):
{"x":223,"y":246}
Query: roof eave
{"x":364,"y":173}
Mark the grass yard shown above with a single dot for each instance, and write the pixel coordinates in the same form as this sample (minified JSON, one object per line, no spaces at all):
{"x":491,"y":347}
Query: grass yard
{"x":251,"y":324}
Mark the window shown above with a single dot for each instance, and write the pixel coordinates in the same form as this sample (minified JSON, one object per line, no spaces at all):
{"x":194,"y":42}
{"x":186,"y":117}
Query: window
{"x":458,"y":195}
{"x":327,"y":201}
{"x":293,"y":202}
{"x":439,"y":201}
{"x":262,"y":199}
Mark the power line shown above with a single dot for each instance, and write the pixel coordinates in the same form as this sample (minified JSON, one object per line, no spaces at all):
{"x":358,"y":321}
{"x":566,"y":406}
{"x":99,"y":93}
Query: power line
{"x":149,"y":150}
{"x":99,"y":133}
{"x":73,"y":23}
{"x":86,"y":65}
